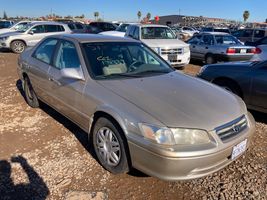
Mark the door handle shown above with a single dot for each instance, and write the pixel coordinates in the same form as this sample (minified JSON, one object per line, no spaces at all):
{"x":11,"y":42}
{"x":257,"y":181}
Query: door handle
{"x":206,"y":47}
{"x":194,"y":46}
{"x":54,"y":80}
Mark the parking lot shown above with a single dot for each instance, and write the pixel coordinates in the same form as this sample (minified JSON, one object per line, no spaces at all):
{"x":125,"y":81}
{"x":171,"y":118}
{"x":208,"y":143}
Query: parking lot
{"x":45,"y":155}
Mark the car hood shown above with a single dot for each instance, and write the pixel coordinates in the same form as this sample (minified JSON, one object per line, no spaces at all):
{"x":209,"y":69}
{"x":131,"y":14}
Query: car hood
{"x":113,"y":33}
{"x":165,"y":43}
{"x":6,"y":30}
{"x":177,"y":100}
{"x":13,"y":33}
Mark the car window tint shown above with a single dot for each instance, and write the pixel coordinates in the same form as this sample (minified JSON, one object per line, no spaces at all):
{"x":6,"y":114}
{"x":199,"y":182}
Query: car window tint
{"x":67,"y":56}
{"x":247,"y":33}
{"x":131,"y":31}
{"x":71,"y":26}
{"x":79,"y":26}
{"x":259,"y":33}
{"x":136,"y":34}
{"x":225,"y":39}
{"x":53,"y":28}
{"x":38,"y":29}
{"x":45,"y":51}
{"x":264,"y":41}
{"x":195,"y":39}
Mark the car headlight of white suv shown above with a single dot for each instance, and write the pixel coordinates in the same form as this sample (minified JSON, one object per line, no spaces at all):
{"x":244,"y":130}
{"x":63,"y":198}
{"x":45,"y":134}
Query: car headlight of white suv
{"x":174,"y":136}
{"x":186,"y":49}
{"x":4,"y":38}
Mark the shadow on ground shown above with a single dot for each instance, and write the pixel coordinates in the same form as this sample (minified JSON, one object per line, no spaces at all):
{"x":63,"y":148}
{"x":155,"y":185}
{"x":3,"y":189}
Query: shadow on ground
{"x":36,"y":188}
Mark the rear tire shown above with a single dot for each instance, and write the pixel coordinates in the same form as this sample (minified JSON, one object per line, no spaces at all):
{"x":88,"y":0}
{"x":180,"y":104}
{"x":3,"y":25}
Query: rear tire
{"x":18,"y":46}
{"x":30,"y":95}
{"x":110,"y":146}
{"x":210,"y":59}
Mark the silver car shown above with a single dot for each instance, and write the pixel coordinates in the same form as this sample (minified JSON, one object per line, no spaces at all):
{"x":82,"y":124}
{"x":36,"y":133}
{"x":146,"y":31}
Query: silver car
{"x":212,"y":47}
{"x":137,"y":110}
{"x":30,"y":34}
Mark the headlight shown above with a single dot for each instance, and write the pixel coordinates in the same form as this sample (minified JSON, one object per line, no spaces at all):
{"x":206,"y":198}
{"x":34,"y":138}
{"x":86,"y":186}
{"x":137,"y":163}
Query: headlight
{"x":179,"y":136}
{"x":186,"y":49}
{"x":156,"y":49}
{"x":4,"y":38}
{"x":202,"y":69}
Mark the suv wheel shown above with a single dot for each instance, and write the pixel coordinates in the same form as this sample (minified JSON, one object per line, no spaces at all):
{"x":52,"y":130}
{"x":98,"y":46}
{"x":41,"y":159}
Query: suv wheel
{"x":110,"y":146}
{"x":18,"y":46}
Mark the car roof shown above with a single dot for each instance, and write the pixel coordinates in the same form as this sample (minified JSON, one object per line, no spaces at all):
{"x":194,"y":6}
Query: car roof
{"x":46,"y":22}
{"x":82,"y":38}
{"x":150,"y":25}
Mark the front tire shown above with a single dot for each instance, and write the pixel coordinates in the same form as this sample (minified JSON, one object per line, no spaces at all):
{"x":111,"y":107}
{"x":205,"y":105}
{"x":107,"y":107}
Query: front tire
{"x":110,"y":146}
{"x":18,"y":46}
{"x":30,"y":95}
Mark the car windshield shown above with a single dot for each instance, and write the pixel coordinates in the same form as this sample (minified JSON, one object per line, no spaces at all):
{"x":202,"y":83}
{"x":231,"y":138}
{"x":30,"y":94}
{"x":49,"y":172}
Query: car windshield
{"x":222,"y":30}
{"x":25,"y":28}
{"x":226,"y":39}
{"x":109,"y":60}
{"x":122,"y":28}
{"x":19,"y":26}
{"x":157,"y":33}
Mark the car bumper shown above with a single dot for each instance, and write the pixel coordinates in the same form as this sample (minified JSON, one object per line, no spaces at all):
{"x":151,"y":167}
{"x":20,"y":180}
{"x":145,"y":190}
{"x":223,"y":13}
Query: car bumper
{"x":227,"y":58}
{"x":189,"y":167}
{"x":180,"y":61}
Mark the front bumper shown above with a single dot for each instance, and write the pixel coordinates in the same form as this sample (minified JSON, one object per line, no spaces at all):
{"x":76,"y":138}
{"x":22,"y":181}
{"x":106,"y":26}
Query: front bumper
{"x":180,"y":61}
{"x":186,"y":167}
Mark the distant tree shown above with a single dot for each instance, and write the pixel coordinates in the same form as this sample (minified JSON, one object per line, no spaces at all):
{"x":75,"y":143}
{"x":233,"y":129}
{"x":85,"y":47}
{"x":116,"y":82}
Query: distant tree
{"x":5,"y":15}
{"x":96,"y":15}
{"x":246,"y":15}
{"x":148,"y":16}
{"x":139,"y":15}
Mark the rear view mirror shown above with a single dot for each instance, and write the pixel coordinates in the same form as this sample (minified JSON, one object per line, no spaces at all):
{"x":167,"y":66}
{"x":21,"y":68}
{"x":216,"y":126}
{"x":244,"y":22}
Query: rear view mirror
{"x":72,"y":73}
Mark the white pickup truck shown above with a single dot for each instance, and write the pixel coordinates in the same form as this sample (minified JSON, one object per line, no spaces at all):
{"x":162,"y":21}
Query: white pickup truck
{"x":162,"y":40}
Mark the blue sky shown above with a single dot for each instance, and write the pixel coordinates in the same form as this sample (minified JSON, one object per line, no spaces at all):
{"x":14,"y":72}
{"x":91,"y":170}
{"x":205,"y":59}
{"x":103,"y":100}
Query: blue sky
{"x":127,"y":9}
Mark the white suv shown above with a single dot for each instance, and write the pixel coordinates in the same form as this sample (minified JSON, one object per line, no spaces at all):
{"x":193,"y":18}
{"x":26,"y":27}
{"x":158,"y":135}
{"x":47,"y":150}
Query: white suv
{"x":162,"y":40}
{"x":30,"y":35}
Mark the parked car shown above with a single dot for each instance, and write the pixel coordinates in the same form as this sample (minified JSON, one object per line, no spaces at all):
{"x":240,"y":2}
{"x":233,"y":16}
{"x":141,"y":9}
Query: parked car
{"x":212,"y":47}
{"x":245,"y":79}
{"x":6,"y":24}
{"x":119,"y":31}
{"x":190,"y":31}
{"x":181,"y":34}
{"x":30,"y":35}
{"x":77,"y":27}
{"x":103,"y":26}
{"x":163,"y":41}
{"x":261,"y":49}
{"x":15,"y":27}
{"x":216,"y":29}
{"x":250,"y":35}
{"x":138,"y":111}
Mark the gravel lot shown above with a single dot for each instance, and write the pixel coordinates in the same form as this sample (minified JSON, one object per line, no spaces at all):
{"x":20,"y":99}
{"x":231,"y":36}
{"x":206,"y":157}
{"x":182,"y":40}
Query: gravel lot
{"x":45,"y":156}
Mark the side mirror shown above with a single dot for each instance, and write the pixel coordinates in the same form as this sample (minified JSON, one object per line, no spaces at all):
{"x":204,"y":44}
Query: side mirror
{"x":31,"y":32}
{"x":72,"y":73}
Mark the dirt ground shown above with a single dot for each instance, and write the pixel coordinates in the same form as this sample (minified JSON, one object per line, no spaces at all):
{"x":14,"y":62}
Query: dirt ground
{"x":45,"y":156}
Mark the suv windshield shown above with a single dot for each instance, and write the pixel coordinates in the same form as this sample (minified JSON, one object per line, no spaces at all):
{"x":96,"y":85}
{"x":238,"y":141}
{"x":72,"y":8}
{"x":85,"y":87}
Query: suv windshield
{"x":122,"y":28}
{"x":157,"y":33}
{"x":122,"y":60}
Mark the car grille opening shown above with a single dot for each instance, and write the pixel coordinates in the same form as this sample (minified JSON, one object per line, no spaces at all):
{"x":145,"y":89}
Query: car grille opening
{"x":232,"y":129}
{"x":172,"y":51}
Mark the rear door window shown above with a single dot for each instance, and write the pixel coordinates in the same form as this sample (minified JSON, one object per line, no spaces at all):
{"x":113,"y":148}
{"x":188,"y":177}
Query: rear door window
{"x":38,"y":29}
{"x":259,"y":33}
{"x":207,"y":40}
{"x":53,"y":28}
{"x":45,"y":51}
{"x":195,"y":39}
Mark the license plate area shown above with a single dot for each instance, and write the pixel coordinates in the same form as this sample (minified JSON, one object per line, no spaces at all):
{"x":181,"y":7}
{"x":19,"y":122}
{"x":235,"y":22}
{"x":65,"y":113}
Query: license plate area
{"x":239,"y":149}
{"x":172,"y":57}
{"x":243,"y":51}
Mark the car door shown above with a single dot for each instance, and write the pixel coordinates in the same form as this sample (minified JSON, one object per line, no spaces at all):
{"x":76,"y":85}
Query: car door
{"x":67,"y":93}
{"x":259,"y":86}
{"x":206,"y":46}
{"x":35,"y":34}
{"x":38,"y":66}
{"x":194,"y":46}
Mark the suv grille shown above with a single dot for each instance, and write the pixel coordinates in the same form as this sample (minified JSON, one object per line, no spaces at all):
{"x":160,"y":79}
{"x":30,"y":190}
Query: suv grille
{"x":171,"y":51}
{"x":232,"y":129}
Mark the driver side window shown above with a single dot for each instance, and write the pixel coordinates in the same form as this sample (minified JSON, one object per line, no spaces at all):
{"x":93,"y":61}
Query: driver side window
{"x":38,"y":29}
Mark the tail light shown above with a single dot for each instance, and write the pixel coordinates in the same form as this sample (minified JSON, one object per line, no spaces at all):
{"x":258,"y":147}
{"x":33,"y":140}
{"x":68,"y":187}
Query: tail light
{"x":256,"y":50}
{"x":230,"y":51}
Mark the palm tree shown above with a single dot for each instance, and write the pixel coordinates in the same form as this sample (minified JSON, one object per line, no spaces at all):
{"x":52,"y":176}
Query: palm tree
{"x":96,"y":14}
{"x":246,"y":15}
{"x":148,"y":16}
{"x":139,"y":15}
{"x":4,"y":15}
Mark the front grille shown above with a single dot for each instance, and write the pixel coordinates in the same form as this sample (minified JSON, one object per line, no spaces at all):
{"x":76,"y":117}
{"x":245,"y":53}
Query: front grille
{"x":232,"y":129}
{"x":171,"y":51}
